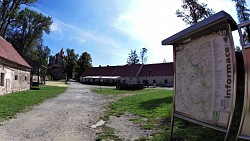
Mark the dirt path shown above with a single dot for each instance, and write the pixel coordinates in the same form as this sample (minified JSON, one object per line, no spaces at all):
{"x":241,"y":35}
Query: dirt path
{"x":67,"y":117}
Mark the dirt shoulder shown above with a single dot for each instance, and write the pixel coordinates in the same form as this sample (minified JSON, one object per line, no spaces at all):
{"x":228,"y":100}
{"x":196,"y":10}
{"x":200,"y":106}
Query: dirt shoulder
{"x":57,"y":83}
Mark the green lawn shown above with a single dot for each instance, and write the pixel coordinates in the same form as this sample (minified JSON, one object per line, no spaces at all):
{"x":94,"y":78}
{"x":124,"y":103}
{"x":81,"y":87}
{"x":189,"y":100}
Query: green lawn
{"x":14,"y":103}
{"x":110,"y":91}
{"x":154,"y":107}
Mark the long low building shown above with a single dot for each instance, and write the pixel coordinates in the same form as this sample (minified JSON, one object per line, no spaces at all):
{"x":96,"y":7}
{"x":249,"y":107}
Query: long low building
{"x":14,"y":70}
{"x":161,"y":74}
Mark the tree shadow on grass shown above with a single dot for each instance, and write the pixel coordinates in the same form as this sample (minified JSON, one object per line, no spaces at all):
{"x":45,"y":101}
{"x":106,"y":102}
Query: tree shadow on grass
{"x":152,"y":104}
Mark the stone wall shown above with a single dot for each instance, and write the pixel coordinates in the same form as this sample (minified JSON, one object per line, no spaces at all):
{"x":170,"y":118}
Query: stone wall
{"x":13,"y":80}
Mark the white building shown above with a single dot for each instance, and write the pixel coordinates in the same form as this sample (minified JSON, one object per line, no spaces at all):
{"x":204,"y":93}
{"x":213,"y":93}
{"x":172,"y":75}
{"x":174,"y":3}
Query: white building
{"x":161,"y":74}
{"x":14,"y":70}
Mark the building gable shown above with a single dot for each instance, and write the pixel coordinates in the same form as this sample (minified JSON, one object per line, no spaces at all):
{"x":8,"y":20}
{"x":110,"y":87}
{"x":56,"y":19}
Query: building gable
{"x":8,"y":53}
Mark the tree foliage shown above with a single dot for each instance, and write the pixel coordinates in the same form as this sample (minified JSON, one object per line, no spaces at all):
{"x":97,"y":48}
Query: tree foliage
{"x":24,"y":30}
{"x":84,"y":61}
{"x":243,"y":14}
{"x":143,"y":56}
{"x":28,"y":27}
{"x":25,"y":34}
{"x":39,"y":55}
{"x":193,"y":11}
{"x":71,"y":62}
{"x":9,"y":11}
{"x":133,"y":58}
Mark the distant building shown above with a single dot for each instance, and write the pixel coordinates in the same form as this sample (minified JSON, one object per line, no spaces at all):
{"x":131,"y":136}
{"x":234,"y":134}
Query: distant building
{"x":56,"y":66}
{"x":14,"y":70}
{"x":161,"y":74}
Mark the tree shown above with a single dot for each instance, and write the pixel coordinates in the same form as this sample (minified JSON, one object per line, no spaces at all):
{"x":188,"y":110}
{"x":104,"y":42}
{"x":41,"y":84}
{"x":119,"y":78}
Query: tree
{"x":71,"y":62}
{"x":8,"y":13}
{"x":24,"y":30}
{"x":28,"y":27}
{"x":25,"y":34}
{"x":42,"y":52}
{"x":84,"y":61}
{"x":193,"y":11}
{"x":243,"y":14}
{"x":133,"y":58}
{"x":143,"y":56}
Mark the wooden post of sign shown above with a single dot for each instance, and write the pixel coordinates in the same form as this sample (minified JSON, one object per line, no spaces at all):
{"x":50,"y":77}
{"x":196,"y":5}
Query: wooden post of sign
{"x":244,"y":128}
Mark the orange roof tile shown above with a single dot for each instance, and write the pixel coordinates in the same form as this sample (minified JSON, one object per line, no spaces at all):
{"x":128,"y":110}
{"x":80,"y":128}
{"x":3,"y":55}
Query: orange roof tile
{"x":161,"y":69}
{"x":8,"y":52}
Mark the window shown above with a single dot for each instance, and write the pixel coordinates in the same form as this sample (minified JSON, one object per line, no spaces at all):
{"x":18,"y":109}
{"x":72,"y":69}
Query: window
{"x":25,"y":78}
{"x":16,"y":77}
{"x":2,"y":79}
{"x":166,"y":81}
{"x":154,"y":81}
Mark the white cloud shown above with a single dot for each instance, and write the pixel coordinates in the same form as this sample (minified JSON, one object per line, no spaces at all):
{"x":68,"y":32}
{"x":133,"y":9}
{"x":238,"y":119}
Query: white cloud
{"x":56,"y":27}
{"x":74,"y":33}
{"x":152,"y":21}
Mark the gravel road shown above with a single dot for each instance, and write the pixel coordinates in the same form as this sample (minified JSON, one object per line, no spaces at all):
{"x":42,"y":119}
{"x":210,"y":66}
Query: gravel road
{"x":67,"y":117}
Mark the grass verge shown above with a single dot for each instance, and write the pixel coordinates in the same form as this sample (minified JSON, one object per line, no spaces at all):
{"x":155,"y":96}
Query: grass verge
{"x":149,"y":104}
{"x":14,"y":103}
{"x":110,"y":91}
{"x":154,"y":107}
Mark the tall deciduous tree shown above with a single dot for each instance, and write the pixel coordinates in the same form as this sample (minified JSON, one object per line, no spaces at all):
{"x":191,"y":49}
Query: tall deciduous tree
{"x":25,"y":34}
{"x":84,"y":61}
{"x":133,"y":58}
{"x":143,"y":56}
{"x":193,"y":11}
{"x":28,"y":27}
{"x":71,"y":62}
{"x":243,"y":14}
{"x":41,"y":52}
{"x":8,"y":13}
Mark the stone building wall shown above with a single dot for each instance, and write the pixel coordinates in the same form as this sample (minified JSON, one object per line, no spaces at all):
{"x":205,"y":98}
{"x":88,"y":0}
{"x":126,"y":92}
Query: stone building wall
{"x":13,"y":80}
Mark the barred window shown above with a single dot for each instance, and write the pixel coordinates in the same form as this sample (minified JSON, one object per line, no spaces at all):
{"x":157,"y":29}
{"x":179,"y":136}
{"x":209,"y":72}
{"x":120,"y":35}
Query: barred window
{"x":16,"y":77}
{"x":2,"y":79}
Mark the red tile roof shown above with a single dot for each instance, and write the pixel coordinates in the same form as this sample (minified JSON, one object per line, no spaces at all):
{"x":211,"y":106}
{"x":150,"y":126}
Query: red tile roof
{"x":127,"y":70}
{"x":8,"y":52}
{"x":97,"y":71}
{"x":162,"y":69}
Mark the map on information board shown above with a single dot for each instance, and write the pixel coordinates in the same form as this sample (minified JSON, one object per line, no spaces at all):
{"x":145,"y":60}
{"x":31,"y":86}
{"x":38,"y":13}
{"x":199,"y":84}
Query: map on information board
{"x":204,"y":79}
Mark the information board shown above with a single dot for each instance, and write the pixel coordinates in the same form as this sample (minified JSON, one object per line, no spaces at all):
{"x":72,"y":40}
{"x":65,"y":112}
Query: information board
{"x":204,"y":73}
{"x":204,"y":79}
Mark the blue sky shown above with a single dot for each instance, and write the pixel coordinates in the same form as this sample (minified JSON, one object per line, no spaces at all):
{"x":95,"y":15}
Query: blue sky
{"x":109,"y":29}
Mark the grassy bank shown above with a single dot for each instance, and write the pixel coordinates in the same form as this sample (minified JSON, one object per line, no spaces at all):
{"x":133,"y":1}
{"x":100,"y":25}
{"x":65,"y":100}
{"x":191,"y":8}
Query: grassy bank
{"x":14,"y":103}
{"x":154,"y":108}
